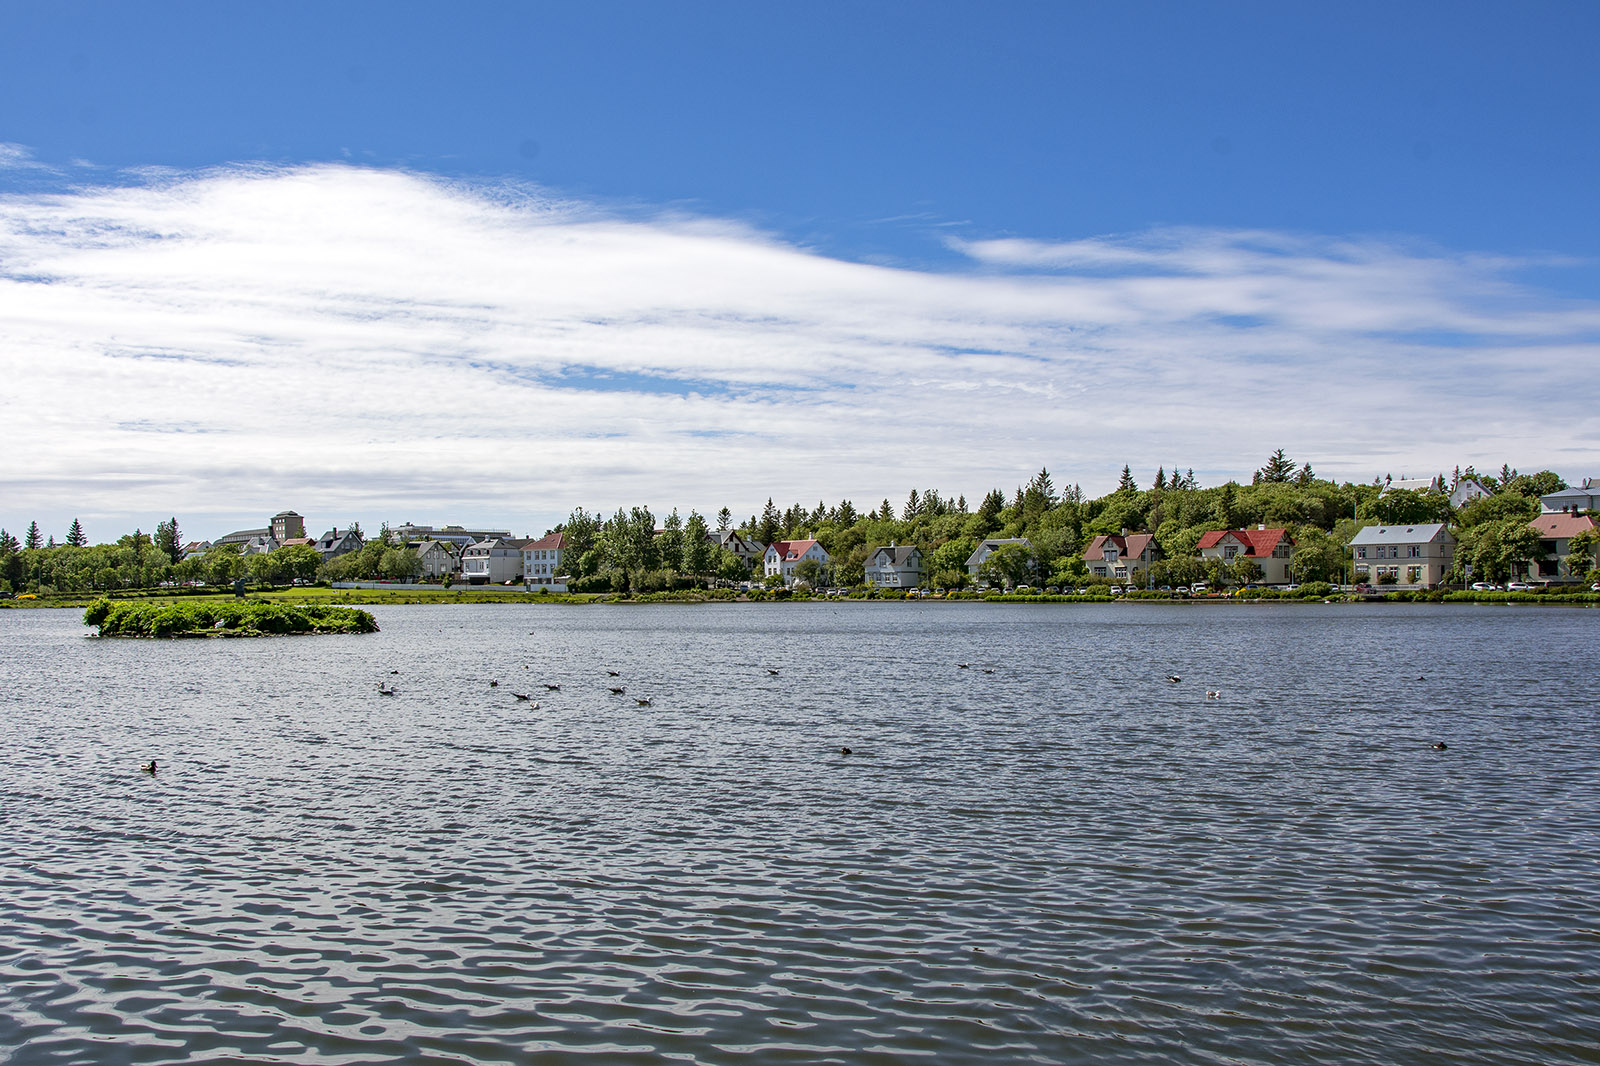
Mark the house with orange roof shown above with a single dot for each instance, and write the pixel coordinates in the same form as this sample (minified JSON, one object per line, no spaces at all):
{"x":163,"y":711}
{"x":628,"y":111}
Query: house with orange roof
{"x":1556,"y":530}
{"x":784,"y":555}
{"x":1120,"y":556}
{"x":1272,"y":550}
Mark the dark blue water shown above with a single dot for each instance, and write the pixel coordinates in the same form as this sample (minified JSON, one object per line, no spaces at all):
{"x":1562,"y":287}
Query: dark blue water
{"x":1067,"y":859}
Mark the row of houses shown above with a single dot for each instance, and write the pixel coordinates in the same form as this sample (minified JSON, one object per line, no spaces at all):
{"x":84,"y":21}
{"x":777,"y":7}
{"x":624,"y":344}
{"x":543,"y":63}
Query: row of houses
{"x":1405,"y":556}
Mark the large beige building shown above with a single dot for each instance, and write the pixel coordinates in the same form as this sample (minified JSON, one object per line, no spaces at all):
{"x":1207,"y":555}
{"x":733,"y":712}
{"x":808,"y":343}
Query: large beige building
{"x":1408,"y":557}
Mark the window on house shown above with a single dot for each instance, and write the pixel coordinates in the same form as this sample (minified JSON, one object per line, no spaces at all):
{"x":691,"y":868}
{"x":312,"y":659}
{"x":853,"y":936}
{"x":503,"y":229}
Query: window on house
{"x":1361,"y":553}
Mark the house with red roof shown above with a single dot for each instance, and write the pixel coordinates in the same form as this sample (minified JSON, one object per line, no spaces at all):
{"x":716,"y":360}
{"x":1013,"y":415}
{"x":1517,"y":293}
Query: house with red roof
{"x":1272,"y":550}
{"x":1120,"y":556}
{"x":1556,"y":530}
{"x":784,"y":555}
{"x":542,"y":566}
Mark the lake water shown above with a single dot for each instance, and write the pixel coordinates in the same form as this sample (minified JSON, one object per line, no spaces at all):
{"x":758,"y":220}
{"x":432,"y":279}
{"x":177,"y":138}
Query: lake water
{"x":1068,"y":859}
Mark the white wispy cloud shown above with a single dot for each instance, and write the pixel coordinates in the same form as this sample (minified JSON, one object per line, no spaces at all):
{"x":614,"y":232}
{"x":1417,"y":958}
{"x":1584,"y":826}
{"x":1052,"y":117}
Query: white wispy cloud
{"x":359,"y":343}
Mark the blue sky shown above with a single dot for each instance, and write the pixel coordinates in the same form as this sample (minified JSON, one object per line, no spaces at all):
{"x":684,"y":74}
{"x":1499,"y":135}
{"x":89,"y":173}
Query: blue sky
{"x":698,"y":255}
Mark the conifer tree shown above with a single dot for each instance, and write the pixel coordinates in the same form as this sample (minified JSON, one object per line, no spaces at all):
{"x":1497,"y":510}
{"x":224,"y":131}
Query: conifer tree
{"x":1126,"y":483}
{"x":34,"y":538}
{"x":75,"y":535}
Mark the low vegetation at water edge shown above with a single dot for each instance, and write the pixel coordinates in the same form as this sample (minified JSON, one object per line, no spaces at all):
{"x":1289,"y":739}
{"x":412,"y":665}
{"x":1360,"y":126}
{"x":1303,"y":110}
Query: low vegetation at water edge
{"x":129,"y":619}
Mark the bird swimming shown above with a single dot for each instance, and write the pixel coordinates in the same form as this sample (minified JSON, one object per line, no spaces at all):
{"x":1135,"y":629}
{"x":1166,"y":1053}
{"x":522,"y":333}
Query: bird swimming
{"x":774,"y":673}
{"x":148,"y":767}
{"x":1440,"y":745}
{"x":617,"y":690}
{"x":611,"y":673}
{"x":494,"y":684}
{"x":1174,"y":678}
{"x":844,"y":751}
{"x":522,"y":696}
{"x":643,"y":701}
{"x":550,"y":687}
{"x":963,"y":666}
{"x":387,"y":690}
{"x":1213,"y":694}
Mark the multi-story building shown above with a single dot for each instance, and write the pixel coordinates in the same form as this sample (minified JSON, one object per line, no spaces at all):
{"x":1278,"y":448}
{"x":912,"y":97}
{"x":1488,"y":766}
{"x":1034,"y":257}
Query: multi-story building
{"x":1416,"y":556}
{"x":542,"y":563}
{"x":896,"y":566}
{"x":1120,"y":556}
{"x":1272,"y":550}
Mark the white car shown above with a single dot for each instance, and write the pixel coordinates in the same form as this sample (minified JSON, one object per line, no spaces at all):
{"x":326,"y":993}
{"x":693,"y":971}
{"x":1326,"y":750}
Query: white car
{"x":1519,"y":586}
{"x":1482,"y":586}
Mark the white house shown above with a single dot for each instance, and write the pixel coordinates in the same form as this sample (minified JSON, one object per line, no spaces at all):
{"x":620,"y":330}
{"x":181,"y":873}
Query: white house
{"x":981,"y":553}
{"x":896,"y":567}
{"x":497,"y":561}
{"x":749,"y":549}
{"x":1272,"y":550}
{"x":1415,"y":556}
{"x":542,"y":563}
{"x":1576,"y":500}
{"x":784,"y":555}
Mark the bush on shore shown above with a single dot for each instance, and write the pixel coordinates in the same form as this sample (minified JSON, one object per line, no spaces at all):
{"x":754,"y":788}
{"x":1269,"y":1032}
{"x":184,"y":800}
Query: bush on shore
{"x":132,"y":619}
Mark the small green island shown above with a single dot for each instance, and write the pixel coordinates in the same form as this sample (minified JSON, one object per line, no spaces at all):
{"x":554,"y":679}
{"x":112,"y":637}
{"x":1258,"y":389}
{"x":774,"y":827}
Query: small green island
{"x":249,"y":619}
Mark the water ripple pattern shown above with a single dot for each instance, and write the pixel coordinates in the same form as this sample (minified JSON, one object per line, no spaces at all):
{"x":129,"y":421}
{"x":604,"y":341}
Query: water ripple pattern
{"x":837,"y":833}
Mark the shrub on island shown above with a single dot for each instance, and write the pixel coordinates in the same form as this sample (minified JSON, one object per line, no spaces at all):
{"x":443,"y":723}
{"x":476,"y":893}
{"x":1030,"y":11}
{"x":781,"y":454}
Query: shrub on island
{"x":128,"y":619}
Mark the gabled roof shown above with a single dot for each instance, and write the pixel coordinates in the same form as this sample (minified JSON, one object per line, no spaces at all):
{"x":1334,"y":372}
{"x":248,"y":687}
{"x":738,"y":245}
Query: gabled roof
{"x":1257,"y":542}
{"x":899,"y":554}
{"x":1559,"y":525}
{"x":1417,"y":533}
{"x":978,"y":554}
{"x":1132,"y":545}
{"x":549,"y":542}
{"x":792,"y":549}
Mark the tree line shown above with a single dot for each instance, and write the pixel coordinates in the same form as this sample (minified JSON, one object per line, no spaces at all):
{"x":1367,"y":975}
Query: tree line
{"x":629,"y":552}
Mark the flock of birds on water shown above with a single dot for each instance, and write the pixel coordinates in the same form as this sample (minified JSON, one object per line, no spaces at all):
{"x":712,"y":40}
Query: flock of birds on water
{"x":149,"y":767}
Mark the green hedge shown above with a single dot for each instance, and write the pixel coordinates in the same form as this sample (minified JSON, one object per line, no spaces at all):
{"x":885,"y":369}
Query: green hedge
{"x":129,"y":619}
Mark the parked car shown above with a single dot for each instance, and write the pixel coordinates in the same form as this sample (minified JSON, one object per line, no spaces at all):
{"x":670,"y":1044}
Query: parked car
{"x":1200,"y":588}
{"x":1519,"y":586}
{"x":1482,"y":586}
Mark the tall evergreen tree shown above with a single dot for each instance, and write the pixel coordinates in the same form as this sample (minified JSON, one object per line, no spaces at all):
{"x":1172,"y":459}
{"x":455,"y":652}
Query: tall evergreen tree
{"x":1126,"y":483}
{"x":1161,"y":478}
{"x":771,"y":523}
{"x":1279,"y":469}
{"x":76,"y":536}
{"x":169,"y":539}
{"x":913,"y":506}
{"x":724,"y":516}
{"x":34,"y":538}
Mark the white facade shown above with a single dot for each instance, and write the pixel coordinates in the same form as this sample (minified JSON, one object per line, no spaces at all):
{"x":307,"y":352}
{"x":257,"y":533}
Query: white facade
{"x":492,"y":562}
{"x":896,"y":567}
{"x":784,"y":555}
{"x":542,"y":566}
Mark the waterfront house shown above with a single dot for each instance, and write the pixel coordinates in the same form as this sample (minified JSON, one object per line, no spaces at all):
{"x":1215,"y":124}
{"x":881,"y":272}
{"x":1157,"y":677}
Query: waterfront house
{"x":749,"y":549}
{"x":1410,"y":557}
{"x":496,"y":561}
{"x":981,"y":553}
{"x":1575,"y":500}
{"x":784,"y":555}
{"x":1272,"y":550}
{"x":333,"y":543}
{"x":542,"y":563}
{"x":1120,"y":556}
{"x":896,"y":566}
{"x":438,"y":558}
{"x":1556,"y":531}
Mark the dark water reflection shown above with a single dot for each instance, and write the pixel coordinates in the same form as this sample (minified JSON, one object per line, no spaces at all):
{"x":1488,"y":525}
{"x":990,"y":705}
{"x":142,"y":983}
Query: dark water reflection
{"x":1068,"y":859}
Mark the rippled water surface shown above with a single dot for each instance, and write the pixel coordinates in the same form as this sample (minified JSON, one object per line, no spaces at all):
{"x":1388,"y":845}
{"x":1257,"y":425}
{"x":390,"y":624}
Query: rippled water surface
{"x":1052,"y":855}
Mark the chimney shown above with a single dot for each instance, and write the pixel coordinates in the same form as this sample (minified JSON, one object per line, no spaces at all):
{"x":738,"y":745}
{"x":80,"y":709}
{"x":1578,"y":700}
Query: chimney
{"x":1261,"y":525}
